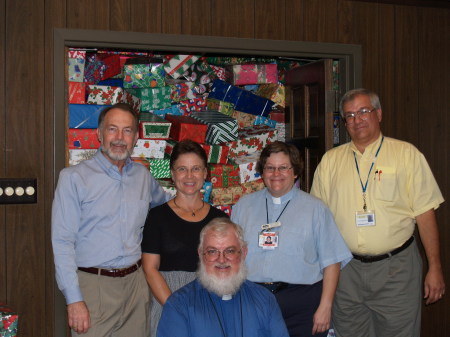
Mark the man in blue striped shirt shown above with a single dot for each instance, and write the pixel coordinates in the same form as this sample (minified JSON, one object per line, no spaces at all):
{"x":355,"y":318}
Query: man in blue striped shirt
{"x":98,"y":214}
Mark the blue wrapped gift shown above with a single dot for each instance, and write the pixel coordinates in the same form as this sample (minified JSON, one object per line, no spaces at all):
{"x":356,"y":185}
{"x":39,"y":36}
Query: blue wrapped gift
{"x":260,"y":120}
{"x":112,"y":82}
{"x":173,"y":110}
{"x":243,"y":100}
{"x":84,"y":116}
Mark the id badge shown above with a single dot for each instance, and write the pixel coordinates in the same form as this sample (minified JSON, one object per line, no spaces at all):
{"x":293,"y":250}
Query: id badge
{"x":365,"y":219}
{"x":268,"y":240}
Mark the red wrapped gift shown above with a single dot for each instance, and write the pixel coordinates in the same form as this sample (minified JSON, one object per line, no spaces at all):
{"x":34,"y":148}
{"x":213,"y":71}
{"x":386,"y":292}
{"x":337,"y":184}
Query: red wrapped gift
{"x":83,"y":139}
{"x":191,"y":105}
{"x":224,"y":175}
{"x":101,"y":66}
{"x":8,"y":321}
{"x":243,"y":74}
{"x":186,"y":127}
{"x":277,"y":116}
{"x":77,"y":92}
{"x":216,"y":154}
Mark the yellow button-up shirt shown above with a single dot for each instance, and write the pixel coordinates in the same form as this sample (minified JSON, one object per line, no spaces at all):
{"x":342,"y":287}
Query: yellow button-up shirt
{"x":400,"y":187}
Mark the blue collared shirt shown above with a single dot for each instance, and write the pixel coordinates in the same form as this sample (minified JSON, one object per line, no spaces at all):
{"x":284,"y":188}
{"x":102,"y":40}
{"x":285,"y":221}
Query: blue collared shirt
{"x":192,"y":311}
{"x":308,"y":242}
{"x":98,"y":216}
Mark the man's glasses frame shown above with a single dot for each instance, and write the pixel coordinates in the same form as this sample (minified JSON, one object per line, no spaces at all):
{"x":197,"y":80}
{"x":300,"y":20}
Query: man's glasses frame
{"x":231,"y":254}
{"x":361,"y":113}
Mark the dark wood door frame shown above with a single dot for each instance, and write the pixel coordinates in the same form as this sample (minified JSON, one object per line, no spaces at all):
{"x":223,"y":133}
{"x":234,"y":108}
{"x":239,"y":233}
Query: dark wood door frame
{"x":348,"y":55}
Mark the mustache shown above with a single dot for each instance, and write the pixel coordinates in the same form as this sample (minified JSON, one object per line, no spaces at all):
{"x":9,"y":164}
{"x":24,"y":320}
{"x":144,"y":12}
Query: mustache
{"x":222,"y":265}
{"x":119,"y":143}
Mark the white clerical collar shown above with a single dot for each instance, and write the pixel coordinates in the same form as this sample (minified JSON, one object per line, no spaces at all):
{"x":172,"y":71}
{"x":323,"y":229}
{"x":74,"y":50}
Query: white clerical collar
{"x":276,"y":201}
{"x":227,"y":297}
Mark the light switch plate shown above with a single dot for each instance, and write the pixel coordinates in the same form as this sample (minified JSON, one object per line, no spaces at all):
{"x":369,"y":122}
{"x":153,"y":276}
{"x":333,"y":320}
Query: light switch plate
{"x":18,"y":190}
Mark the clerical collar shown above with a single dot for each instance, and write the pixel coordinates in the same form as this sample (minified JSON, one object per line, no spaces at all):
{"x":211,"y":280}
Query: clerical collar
{"x":227,"y":297}
{"x":283,"y":199}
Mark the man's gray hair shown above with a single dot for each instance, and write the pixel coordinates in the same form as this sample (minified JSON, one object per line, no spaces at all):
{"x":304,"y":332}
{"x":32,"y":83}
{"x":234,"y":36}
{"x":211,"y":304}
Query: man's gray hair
{"x":351,"y":95}
{"x":220,"y":226}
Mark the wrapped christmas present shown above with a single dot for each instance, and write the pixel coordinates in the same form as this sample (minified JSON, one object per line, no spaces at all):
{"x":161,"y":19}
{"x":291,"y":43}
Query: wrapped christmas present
{"x":77,"y":92}
{"x":243,"y":100}
{"x":243,"y":119}
{"x":143,"y":73}
{"x":174,"y":109}
{"x":231,"y":195}
{"x":243,"y":74}
{"x":221,"y":128}
{"x":225,"y":208}
{"x":223,"y":175}
{"x":104,"y":94}
{"x":251,"y":139}
{"x":160,"y":167}
{"x":84,"y":116}
{"x":141,"y":161}
{"x":101,"y":66}
{"x":83,"y":139}
{"x":273,"y":91}
{"x":76,"y":156}
{"x":181,"y":91}
{"x":215,"y":154}
{"x":153,"y":127}
{"x":247,"y":166}
{"x":186,"y":127}
{"x":226,"y":108}
{"x":149,"y":148}
{"x":9,"y":320}
{"x":193,"y":105}
{"x":76,"y":63}
{"x":178,"y":64}
{"x":152,"y":98}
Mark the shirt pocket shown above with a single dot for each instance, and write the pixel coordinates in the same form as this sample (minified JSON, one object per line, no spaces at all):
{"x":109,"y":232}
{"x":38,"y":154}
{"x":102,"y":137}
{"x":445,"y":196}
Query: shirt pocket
{"x":385,"y":183}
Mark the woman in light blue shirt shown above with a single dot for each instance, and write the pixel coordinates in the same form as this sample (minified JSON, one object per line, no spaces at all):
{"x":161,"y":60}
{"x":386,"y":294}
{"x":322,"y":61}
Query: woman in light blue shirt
{"x":301,"y":266}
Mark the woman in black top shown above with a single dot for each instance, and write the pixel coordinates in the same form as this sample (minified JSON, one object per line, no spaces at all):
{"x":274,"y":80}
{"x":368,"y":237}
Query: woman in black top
{"x":171,"y":232}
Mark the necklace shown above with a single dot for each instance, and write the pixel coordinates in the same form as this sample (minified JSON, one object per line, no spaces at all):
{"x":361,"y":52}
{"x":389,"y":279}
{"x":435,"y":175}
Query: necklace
{"x":193,"y":211}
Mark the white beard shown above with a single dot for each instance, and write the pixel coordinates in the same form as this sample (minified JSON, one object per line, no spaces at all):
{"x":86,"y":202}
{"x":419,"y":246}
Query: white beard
{"x":222,"y":286}
{"x":117,"y":156}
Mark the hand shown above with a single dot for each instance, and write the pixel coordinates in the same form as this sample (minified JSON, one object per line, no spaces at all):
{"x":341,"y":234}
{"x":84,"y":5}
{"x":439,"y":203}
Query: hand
{"x":434,"y":286}
{"x":321,"y":319}
{"x":78,"y":317}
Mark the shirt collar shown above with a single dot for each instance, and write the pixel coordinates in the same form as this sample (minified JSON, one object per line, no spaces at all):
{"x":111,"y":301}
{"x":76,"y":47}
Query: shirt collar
{"x":370,"y":149}
{"x":283,"y":199}
{"x":108,"y":166}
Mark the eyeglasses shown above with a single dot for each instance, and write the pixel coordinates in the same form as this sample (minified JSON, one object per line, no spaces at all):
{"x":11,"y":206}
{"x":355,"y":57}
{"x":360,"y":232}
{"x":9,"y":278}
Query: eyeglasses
{"x":281,"y":169}
{"x":230,"y":254}
{"x":194,"y":170}
{"x":362,"y":113}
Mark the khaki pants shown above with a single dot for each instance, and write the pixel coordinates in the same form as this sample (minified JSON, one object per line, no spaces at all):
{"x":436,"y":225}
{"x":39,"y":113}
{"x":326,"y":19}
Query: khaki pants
{"x":118,"y":306}
{"x":381,"y":299}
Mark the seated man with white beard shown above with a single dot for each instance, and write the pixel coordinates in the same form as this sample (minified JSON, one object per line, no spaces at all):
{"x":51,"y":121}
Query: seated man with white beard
{"x":221,"y":302}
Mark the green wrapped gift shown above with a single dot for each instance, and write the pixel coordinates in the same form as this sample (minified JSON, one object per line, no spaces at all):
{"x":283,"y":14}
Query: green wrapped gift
{"x":160,"y":168}
{"x":153,"y":127}
{"x":152,"y":98}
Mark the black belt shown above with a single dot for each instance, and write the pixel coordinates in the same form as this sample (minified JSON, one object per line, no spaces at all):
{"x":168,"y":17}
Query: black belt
{"x":375,"y":258}
{"x":112,"y":272}
{"x":274,"y":287}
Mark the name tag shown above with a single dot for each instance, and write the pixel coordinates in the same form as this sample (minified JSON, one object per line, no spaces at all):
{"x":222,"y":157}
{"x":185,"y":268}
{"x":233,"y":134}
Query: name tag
{"x":268,"y":240}
{"x":365,"y":219}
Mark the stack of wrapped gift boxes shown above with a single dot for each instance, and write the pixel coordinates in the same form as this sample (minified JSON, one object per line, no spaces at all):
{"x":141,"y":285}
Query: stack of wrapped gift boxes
{"x":232,"y":106}
{"x":8,"y":321}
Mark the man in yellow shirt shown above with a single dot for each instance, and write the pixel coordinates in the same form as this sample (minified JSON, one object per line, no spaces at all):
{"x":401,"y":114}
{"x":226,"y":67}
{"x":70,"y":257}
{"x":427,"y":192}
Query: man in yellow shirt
{"x":378,"y":188}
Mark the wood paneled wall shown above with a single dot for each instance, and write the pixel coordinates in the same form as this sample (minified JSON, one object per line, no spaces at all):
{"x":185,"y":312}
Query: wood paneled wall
{"x":405,"y":59}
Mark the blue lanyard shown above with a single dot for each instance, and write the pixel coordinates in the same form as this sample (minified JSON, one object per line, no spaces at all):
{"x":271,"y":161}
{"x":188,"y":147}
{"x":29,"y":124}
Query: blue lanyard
{"x":364,"y":186}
